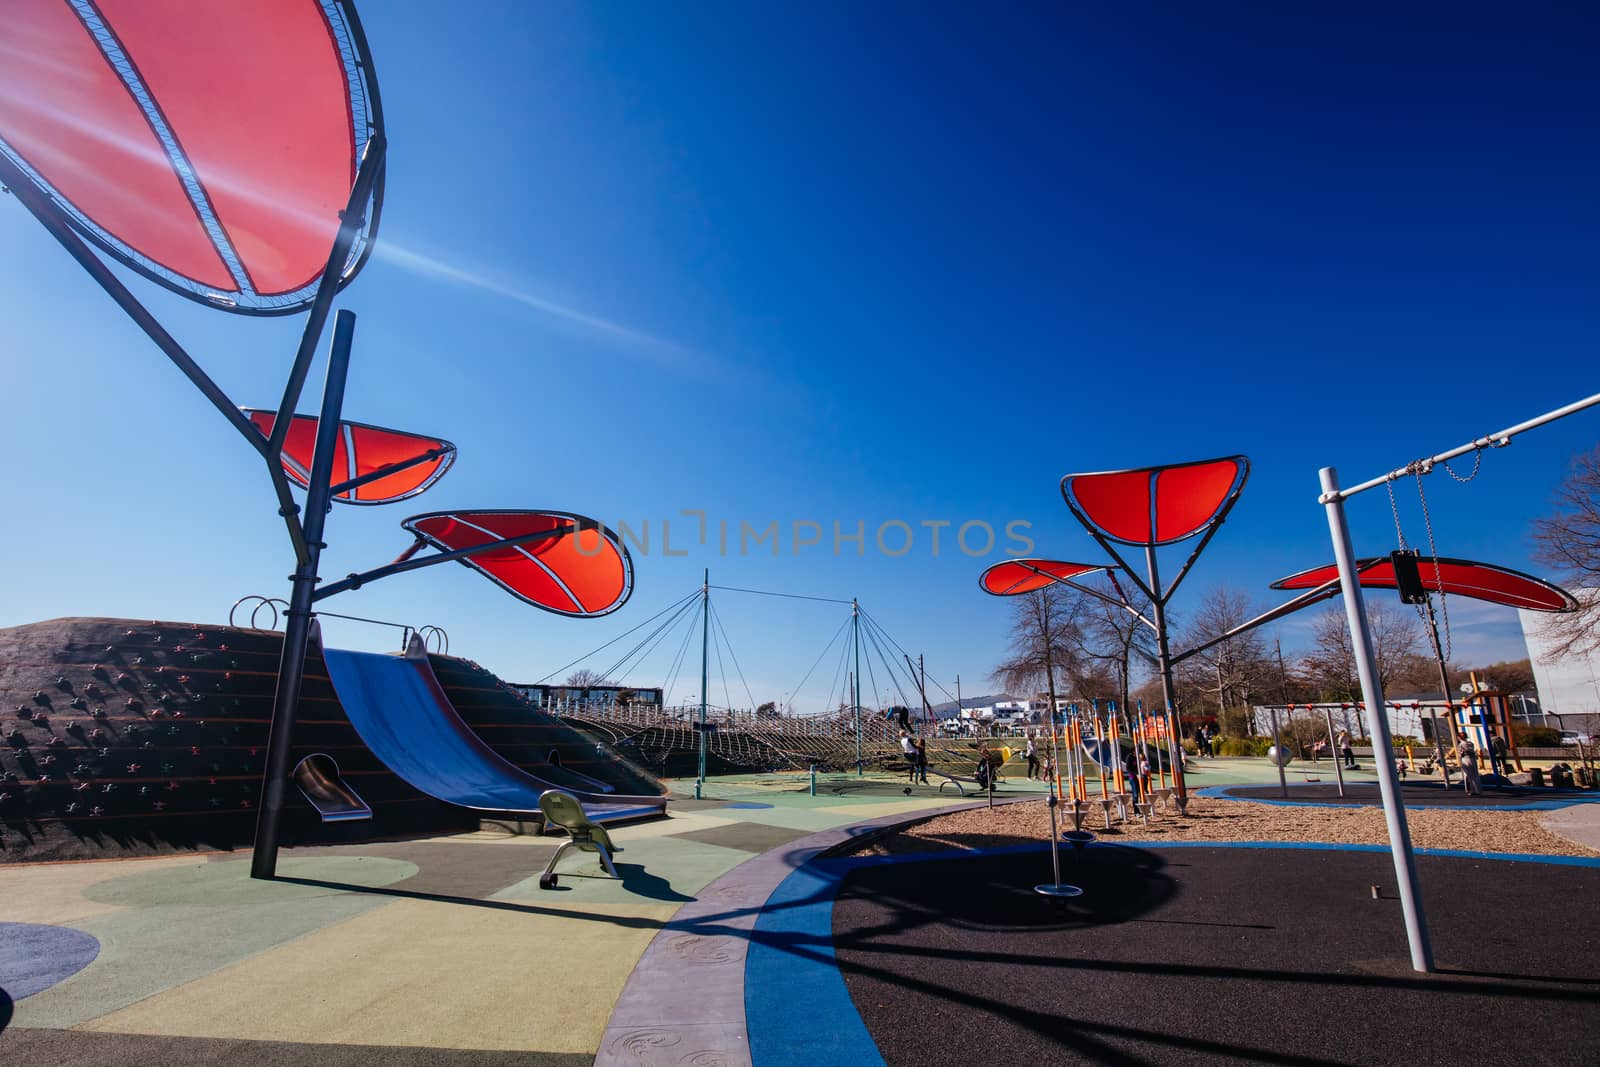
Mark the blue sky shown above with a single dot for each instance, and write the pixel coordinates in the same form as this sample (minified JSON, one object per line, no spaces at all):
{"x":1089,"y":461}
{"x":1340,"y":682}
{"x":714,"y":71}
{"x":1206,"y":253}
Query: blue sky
{"x":871,"y":263}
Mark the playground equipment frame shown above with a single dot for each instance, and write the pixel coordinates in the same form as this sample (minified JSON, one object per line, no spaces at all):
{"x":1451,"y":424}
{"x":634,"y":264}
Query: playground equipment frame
{"x":1332,"y":499}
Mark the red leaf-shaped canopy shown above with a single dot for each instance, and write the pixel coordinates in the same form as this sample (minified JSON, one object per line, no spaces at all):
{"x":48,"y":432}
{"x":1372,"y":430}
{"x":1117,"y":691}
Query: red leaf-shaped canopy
{"x":1457,"y":577}
{"x":361,"y":450}
{"x":209,"y":146}
{"x":582,"y":571}
{"x":1156,"y":505}
{"x":1013,"y":576}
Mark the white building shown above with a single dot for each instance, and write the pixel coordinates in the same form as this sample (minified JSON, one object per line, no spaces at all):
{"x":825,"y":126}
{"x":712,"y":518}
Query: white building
{"x":1569,"y":686}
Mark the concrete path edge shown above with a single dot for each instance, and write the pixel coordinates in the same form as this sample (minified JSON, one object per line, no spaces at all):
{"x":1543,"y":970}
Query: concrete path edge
{"x":684,"y":1002}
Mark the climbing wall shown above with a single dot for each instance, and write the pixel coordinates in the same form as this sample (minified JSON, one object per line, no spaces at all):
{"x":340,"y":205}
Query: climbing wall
{"x":121,"y":737}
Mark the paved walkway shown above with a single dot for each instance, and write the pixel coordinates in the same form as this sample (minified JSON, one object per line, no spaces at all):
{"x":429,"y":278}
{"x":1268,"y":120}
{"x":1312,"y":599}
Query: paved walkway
{"x":1580,"y":823}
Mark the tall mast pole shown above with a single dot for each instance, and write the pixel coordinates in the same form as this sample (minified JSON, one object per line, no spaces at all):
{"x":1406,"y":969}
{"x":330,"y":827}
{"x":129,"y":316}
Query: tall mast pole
{"x":855,"y":625}
{"x":705,"y":671}
{"x":922,"y":670}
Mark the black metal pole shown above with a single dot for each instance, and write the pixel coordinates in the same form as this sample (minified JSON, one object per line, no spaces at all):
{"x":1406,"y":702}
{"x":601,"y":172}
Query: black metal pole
{"x":297,"y":630}
{"x":1444,"y":687}
{"x":1158,"y":612}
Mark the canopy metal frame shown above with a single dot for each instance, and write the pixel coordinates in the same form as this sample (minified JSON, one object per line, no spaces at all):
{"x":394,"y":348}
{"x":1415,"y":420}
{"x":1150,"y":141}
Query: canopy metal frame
{"x":305,"y":529}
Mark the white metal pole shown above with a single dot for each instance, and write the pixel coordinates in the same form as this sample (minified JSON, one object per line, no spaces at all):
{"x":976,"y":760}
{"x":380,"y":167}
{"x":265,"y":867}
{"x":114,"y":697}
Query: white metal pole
{"x":1405,"y":864}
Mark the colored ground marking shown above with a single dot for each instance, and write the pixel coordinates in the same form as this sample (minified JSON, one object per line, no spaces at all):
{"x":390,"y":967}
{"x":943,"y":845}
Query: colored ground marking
{"x":34,"y":957}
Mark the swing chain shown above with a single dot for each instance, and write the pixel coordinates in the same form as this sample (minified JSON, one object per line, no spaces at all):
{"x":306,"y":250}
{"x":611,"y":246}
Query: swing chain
{"x":1394,"y":509}
{"x":1438,"y":580}
{"x":1477,"y":461}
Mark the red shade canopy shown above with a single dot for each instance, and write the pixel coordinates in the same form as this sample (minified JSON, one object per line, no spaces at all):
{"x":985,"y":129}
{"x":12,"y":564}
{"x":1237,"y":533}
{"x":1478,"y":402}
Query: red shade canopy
{"x":1156,"y":505}
{"x":1458,"y":577}
{"x":209,"y":146}
{"x":584,"y":573}
{"x":1013,"y":576}
{"x":361,"y":450}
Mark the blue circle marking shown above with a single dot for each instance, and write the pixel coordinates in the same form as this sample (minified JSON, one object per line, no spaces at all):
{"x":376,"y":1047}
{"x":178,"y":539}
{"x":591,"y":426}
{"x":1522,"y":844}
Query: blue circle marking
{"x":34,"y":957}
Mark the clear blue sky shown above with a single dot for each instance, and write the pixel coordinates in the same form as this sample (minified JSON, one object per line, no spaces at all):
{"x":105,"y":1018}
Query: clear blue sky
{"x":871,"y":262}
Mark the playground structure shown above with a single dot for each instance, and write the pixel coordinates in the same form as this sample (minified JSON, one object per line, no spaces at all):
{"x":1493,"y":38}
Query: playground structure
{"x":145,"y":736}
{"x":1154,"y":506}
{"x":130,"y":107}
{"x":1350,"y":572}
{"x":406,"y":720}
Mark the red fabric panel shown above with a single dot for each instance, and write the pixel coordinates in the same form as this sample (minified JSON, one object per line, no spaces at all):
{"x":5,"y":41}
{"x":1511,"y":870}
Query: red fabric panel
{"x":66,"y":112}
{"x":552,"y":574}
{"x":1189,"y":497}
{"x":1456,"y":577}
{"x":255,"y":93}
{"x":375,"y":447}
{"x":1118,"y":503}
{"x":1013,"y":576}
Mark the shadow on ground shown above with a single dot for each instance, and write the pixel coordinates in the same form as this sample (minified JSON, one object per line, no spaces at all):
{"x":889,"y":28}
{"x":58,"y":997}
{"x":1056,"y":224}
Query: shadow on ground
{"x":1217,"y":956}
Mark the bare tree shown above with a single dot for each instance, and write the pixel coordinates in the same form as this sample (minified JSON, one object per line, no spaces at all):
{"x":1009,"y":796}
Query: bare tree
{"x":1113,"y":637}
{"x":1568,"y":540}
{"x":1232,"y":670}
{"x":1045,"y":639}
{"x":584,"y":678}
{"x":1397,"y":642}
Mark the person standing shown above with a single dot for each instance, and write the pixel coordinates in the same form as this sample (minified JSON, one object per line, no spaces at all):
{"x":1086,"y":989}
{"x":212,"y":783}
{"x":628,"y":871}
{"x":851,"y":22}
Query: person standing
{"x":1130,"y":772}
{"x":1032,"y":753}
{"x":921,"y":762}
{"x":1347,"y":751}
{"x":909,"y":749}
{"x":1467,"y":752}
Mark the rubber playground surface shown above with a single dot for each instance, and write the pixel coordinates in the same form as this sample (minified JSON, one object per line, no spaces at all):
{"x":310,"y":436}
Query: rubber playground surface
{"x":724,"y":936}
{"x":1219,"y":955}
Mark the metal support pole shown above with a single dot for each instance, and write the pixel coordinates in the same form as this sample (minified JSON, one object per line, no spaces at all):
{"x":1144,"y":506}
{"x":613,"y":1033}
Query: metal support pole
{"x":297,"y":628}
{"x":1333,"y":749}
{"x":855,"y":624}
{"x":1277,"y":746}
{"x":1440,"y":747}
{"x":1405,"y":864}
{"x":705,"y":673}
{"x":1158,"y":612}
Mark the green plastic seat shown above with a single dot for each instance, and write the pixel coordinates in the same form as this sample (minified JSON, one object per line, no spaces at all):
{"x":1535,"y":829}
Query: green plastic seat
{"x":562,"y":809}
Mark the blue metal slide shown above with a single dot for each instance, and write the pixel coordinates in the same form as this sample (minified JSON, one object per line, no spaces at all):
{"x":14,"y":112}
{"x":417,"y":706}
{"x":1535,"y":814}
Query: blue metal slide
{"x":402,"y":713}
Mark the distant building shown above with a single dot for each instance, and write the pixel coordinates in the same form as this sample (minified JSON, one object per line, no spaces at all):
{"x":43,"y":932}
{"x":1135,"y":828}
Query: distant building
{"x":1569,"y":686}
{"x":556,"y":698}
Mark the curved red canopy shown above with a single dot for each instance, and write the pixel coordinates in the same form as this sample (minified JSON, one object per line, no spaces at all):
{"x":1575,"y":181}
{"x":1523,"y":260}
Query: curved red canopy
{"x":1013,"y":576}
{"x":209,"y":146}
{"x":1156,"y":505}
{"x":362,"y":450}
{"x":583,"y":572}
{"x":1457,"y":577}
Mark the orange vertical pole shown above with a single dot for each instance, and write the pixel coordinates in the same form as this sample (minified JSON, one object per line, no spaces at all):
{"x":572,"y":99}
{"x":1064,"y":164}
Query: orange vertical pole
{"x":1160,"y":736}
{"x":1116,"y":755}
